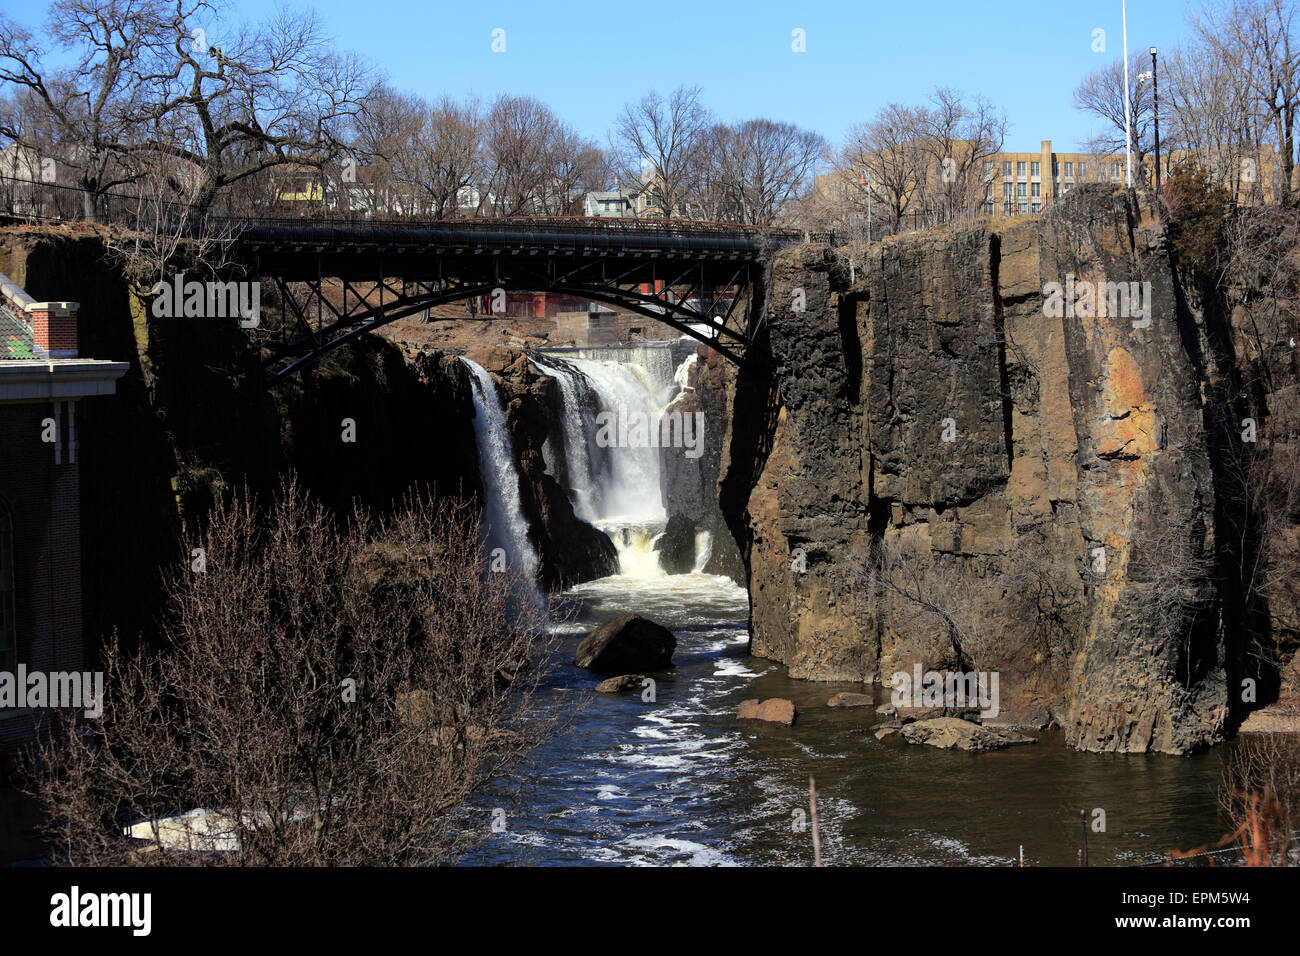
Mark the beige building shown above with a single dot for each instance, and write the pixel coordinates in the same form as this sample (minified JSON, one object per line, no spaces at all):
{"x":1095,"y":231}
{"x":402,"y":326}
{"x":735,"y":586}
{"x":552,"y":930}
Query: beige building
{"x":1017,"y":183}
{"x":1027,"y":183}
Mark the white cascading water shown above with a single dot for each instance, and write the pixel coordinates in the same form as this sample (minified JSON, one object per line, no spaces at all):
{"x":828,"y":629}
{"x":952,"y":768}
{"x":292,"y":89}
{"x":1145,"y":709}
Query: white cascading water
{"x":502,"y":514}
{"x":616,"y":488}
{"x":577,"y":437}
{"x":703,"y":550}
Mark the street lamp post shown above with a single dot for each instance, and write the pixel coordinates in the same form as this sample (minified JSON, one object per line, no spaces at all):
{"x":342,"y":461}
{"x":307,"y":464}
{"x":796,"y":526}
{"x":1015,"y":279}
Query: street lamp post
{"x":1155,"y":90}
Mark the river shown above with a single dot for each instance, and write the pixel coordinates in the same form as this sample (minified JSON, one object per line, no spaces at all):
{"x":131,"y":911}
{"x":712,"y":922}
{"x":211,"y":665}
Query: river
{"x":675,"y":781}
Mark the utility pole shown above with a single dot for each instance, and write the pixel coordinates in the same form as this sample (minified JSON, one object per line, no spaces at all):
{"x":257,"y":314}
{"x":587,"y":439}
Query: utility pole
{"x":1128,"y":109}
{"x":1155,"y":90}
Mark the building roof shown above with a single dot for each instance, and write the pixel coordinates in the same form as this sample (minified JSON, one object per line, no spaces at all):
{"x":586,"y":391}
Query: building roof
{"x":16,"y":340}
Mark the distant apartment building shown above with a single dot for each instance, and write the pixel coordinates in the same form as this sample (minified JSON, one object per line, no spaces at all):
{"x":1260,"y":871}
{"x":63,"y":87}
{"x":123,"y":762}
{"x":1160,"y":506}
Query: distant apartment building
{"x":1020,"y":183}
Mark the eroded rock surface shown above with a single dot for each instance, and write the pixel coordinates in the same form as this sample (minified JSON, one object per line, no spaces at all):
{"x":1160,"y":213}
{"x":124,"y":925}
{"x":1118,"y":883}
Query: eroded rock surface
{"x":775,"y":711}
{"x":1049,"y":474}
{"x":950,"y":733}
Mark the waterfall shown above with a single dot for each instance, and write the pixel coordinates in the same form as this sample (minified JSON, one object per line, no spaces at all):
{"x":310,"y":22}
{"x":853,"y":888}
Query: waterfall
{"x":502,"y":514}
{"x":617,"y":488}
{"x":579,"y":473}
{"x":630,"y":485}
{"x":703,"y":549}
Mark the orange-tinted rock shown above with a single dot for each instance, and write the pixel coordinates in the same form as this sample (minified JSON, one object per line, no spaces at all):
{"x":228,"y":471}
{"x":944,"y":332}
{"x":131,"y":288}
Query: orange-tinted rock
{"x":775,"y":711}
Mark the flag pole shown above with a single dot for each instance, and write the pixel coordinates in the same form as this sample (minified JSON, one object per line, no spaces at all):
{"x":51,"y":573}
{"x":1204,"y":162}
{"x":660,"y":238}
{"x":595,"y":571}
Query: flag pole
{"x":1128,"y":110}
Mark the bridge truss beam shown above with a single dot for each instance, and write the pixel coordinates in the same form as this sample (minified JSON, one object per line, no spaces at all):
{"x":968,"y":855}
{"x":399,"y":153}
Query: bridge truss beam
{"x":705,"y":292}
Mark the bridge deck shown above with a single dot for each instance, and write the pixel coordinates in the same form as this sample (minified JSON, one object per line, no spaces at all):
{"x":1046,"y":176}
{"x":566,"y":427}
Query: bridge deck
{"x":353,"y":249}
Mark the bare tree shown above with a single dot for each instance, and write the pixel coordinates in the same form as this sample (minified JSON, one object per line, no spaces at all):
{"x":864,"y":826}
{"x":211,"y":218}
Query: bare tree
{"x":1257,"y":35}
{"x":1102,"y":94}
{"x":91,"y":104}
{"x":773,"y":164}
{"x":1210,"y":116}
{"x":269,"y":96}
{"x":452,"y":158}
{"x":383,"y":169}
{"x":887,"y":157}
{"x":518,"y":133}
{"x":577,"y":166}
{"x":960,"y":137}
{"x":1260,"y":797}
{"x":326,"y":697}
{"x":662,"y":138}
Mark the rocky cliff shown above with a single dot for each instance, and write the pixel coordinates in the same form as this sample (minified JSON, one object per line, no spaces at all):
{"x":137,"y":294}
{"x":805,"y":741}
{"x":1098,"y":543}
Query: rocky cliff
{"x":945,"y":464}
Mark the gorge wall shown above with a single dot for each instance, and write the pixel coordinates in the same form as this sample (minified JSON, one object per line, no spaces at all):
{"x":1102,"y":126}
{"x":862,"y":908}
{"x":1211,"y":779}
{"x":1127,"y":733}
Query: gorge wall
{"x":1052,"y":483}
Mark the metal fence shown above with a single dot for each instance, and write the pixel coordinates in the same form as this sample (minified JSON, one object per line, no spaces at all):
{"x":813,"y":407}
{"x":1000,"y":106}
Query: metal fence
{"x":22,"y":199}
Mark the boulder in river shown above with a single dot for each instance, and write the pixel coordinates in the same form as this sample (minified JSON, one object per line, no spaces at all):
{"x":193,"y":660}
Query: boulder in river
{"x":627,"y":643}
{"x":617,"y":685}
{"x":774,"y":710}
{"x":951,"y":733}
{"x":886,"y":730}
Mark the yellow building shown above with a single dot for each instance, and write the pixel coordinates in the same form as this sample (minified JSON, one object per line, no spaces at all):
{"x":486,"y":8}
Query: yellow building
{"x":1017,"y":183}
{"x":1027,"y":183}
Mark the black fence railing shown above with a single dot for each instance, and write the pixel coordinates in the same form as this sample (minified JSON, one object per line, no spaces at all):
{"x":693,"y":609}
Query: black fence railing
{"x":25,"y":199}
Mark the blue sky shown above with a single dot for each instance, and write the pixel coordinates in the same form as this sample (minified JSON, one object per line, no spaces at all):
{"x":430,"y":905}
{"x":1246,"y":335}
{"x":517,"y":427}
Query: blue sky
{"x":586,"y":59}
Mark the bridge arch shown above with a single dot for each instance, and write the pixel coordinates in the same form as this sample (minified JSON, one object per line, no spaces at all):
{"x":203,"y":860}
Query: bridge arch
{"x":412,"y":267}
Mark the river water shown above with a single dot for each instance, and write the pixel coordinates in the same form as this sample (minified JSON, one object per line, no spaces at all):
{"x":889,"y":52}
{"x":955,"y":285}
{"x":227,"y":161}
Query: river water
{"x":675,"y":781}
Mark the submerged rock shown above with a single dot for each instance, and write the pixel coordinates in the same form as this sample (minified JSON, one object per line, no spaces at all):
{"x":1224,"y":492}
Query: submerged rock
{"x":950,"y":733}
{"x":627,"y":643}
{"x":617,"y":685}
{"x":850,"y":700}
{"x":774,"y":710}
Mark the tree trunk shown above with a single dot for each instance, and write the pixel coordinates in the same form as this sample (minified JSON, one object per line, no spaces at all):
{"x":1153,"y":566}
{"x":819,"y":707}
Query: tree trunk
{"x":90,"y":200}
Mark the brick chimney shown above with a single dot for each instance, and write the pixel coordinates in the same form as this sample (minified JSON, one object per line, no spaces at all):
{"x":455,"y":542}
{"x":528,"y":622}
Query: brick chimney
{"x":54,"y":328}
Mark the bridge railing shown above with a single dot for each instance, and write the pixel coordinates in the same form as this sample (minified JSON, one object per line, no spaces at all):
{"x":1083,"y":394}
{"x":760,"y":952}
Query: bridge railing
{"x":26,"y":199}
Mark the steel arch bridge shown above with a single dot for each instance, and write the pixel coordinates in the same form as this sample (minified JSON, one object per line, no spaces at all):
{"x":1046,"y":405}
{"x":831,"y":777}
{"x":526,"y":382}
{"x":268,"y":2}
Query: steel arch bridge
{"x":704,"y":278}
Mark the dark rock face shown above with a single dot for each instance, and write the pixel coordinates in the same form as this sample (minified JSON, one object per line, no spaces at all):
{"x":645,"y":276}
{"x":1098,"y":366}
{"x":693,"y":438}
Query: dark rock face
{"x":1052,"y":471}
{"x":627,"y":643}
{"x":677,"y":545}
{"x":569,"y":550}
{"x":413,"y":416}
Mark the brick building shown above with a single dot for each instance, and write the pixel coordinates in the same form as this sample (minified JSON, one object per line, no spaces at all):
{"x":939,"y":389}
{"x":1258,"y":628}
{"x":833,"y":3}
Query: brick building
{"x":42,"y":379}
